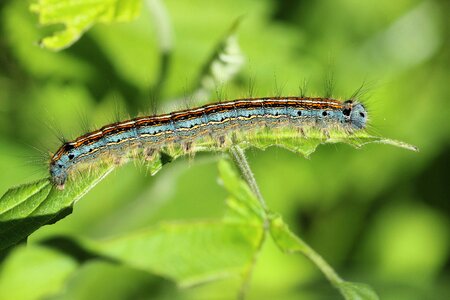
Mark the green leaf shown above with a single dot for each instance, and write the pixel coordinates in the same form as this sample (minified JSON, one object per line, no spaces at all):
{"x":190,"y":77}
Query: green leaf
{"x":93,"y":281}
{"x":199,"y":251}
{"x":34,"y":272}
{"x":188,"y":252}
{"x":291,"y":140}
{"x":26,"y":208}
{"x":78,"y":16}
{"x":288,"y":242}
{"x":191,"y":252}
{"x":16,"y":207}
{"x":287,"y":138}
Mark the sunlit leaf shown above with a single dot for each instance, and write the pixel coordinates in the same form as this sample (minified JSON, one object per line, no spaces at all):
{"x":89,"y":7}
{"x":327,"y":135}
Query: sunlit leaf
{"x":26,"y":208}
{"x":202,"y":250}
{"x":188,"y":252}
{"x":78,"y":16}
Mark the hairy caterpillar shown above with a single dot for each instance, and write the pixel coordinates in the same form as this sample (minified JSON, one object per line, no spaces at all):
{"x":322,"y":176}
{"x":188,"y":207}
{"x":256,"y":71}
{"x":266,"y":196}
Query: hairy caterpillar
{"x":223,"y":123}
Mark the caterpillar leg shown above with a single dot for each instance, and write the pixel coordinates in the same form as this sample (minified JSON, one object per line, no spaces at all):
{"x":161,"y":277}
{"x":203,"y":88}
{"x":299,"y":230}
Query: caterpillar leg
{"x":326,"y":133}
{"x":149,"y":154}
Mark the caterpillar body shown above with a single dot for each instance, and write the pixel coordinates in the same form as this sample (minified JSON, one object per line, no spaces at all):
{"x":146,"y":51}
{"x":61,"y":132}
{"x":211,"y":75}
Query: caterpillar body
{"x":224,"y":123}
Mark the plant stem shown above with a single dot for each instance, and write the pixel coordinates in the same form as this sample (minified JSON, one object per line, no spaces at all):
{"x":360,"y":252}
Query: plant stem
{"x":242,"y":163}
{"x":323,"y":266}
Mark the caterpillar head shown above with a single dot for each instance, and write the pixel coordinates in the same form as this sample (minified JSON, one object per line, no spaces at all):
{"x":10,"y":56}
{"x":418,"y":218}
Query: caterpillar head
{"x":59,"y":165}
{"x":355,"y":113}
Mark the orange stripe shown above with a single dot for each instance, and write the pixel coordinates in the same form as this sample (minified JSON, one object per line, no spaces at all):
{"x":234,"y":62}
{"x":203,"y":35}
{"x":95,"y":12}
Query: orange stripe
{"x":86,"y":139}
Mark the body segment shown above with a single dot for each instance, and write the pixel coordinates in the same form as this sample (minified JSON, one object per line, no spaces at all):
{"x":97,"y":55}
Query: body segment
{"x":216,"y":120}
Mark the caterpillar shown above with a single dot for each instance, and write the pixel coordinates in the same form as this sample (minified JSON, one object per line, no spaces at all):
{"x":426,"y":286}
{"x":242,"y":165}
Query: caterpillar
{"x":221,"y":124}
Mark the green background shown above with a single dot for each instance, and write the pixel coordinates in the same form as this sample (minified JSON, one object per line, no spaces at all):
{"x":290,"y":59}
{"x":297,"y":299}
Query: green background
{"x":378,"y":215}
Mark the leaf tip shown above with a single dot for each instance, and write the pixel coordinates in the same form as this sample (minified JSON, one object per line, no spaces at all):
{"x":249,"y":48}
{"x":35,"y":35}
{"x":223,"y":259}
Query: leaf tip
{"x":400,"y":144}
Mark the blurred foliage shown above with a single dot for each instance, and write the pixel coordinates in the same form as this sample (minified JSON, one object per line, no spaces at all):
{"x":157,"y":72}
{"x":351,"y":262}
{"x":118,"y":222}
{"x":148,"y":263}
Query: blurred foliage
{"x":79,"y":16}
{"x":379,"y":215}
